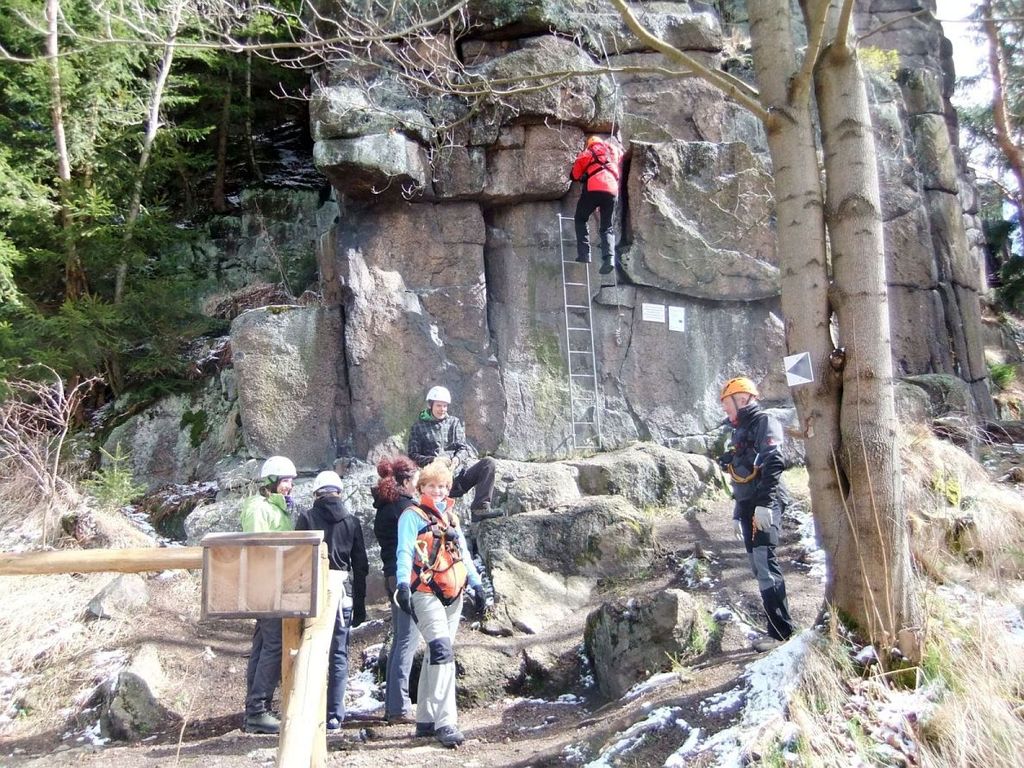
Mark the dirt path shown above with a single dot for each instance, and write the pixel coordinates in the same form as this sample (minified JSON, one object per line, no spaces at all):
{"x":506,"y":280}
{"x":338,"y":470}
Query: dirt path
{"x":697,"y":551}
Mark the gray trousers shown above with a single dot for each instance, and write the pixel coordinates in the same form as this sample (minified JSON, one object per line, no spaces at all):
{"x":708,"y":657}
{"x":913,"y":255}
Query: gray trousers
{"x":764,"y":565}
{"x":435,"y":696}
{"x":405,"y":638}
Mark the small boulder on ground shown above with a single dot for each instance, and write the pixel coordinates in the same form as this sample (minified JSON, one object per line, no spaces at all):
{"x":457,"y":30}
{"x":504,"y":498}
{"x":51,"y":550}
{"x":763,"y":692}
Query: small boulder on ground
{"x":132,"y":705}
{"x":523,"y":486}
{"x":647,"y":474}
{"x":594,"y":536}
{"x":630,"y":640}
{"x":122,"y":597}
{"x":530,"y":599}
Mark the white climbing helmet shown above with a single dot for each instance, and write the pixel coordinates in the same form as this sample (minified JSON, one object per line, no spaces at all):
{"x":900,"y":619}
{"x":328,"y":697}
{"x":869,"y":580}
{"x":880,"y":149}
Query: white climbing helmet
{"x":276,"y":467}
{"x":440,"y":394}
{"x":327,"y":481}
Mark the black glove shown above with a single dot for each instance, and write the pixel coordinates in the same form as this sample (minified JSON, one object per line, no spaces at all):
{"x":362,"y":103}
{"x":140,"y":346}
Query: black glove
{"x":481,"y":602}
{"x":725,"y":460}
{"x":453,"y":535}
{"x":403,"y":597}
{"x":358,"y":616}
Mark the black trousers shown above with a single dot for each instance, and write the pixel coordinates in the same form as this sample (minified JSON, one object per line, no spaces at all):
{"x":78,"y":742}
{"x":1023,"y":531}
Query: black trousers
{"x":264,"y":669}
{"x":479,"y":476}
{"x":588,"y":203}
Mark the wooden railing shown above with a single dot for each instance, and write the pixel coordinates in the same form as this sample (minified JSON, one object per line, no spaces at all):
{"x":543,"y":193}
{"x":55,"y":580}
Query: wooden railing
{"x":306,"y":642}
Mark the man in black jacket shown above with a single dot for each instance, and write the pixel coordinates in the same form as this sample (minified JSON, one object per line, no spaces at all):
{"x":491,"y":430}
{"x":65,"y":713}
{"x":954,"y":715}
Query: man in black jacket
{"x":754,"y":464}
{"x":345,"y":552}
{"x":437,"y":433}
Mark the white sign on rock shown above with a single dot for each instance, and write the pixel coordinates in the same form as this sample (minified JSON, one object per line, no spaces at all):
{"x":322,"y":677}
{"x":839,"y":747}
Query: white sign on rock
{"x":652,"y":313}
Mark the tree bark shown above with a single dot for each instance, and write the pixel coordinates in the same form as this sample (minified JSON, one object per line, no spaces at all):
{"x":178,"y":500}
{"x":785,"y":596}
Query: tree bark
{"x":871,"y":550}
{"x":75,"y":285}
{"x":1000,"y":113}
{"x":803,"y":259}
{"x":220,"y":203}
{"x":149,"y":138}
{"x":250,"y":142}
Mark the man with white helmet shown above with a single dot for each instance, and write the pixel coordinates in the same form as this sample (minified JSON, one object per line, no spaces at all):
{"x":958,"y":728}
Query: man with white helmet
{"x":437,"y":433}
{"x":267,"y":511}
{"x":345,"y":552}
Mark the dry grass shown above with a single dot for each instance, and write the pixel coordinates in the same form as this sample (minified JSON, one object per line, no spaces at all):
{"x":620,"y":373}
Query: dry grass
{"x":51,"y":657}
{"x":957,"y":515}
{"x":979,"y":668}
{"x":967,"y":711}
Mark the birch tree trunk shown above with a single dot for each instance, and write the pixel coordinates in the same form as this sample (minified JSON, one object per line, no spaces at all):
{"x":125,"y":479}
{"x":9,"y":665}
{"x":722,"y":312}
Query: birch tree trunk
{"x":152,"y":126}
{"x":75,"y":284}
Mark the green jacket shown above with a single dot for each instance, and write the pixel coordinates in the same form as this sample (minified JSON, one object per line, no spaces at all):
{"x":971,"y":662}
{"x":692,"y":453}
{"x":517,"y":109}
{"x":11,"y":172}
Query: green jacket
{"x":266,"y":513}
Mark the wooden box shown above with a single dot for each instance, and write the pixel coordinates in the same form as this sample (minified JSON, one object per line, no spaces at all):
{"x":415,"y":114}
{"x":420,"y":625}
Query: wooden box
{"x":261,"y":575}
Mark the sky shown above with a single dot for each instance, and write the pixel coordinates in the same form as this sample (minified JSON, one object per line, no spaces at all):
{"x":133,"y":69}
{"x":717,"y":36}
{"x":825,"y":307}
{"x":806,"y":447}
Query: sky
{"x":968,"y":56}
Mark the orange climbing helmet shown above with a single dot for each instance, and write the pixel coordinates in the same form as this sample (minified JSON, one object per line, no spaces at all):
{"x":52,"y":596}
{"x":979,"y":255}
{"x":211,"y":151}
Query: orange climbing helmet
{"x":741,"y":384}
{"x":593,"y":140}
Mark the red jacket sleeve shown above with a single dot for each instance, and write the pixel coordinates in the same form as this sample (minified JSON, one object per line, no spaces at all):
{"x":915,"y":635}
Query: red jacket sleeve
{"x":583,"y":159}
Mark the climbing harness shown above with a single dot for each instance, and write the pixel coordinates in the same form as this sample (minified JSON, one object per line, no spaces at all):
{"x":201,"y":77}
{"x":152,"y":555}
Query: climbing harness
{"x":438,"y":566}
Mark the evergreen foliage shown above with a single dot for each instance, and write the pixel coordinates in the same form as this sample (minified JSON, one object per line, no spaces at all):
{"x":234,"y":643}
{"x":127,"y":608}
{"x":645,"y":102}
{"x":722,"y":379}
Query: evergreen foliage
{"x":107,"y":70}
{"x":993,"y":131}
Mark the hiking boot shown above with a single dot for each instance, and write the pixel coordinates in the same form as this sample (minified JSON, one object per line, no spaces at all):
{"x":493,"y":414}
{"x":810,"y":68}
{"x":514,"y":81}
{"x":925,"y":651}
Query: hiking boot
{"x":262,"y":722}
{"x":449,"y":736}
{"x":333,"y":724}
{"x":424,"y":729}
{"x":401,"y":719}
{"x":607,"y":267}
{"x":765,"y":644}
{"x":583,"y":259}
{"x":484,"y":512}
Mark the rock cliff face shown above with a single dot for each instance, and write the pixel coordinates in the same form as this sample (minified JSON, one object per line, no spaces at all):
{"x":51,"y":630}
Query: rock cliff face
{"x":443,"y":262}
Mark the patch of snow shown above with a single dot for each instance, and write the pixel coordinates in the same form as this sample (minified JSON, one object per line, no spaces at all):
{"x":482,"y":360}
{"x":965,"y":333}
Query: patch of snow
{"x":573,"y":754}
{"x":633,"y":737}
{"x":541,"y":726}
{"x":371,"y":655}
{"x":866,"y":655}
{"x":720,"y":703}
{"x":363,"y":694}
{"x":967,"y":602}
{"x":724,"y":614}
{"x":650,"y":684}
{"x":11,"y":682}
{"x":564,"y":699}
{"x":767,"y":687}
{"x":92,"y":735}
{"x":587,"y":679}
{"x":698,"y":572}
{"x":814,"y":556}
{"x":435,"y":336}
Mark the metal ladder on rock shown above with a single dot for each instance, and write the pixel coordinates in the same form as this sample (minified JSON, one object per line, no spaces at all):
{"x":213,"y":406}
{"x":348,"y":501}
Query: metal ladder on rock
{"x":584,"y":413}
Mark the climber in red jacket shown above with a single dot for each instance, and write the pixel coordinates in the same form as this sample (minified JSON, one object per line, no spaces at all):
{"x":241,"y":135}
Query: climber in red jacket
{"x":598,"y":166}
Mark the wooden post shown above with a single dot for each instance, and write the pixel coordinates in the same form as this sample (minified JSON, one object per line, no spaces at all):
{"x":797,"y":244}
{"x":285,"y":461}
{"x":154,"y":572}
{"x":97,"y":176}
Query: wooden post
{"x":303,"y":730}
{"x":92,"y":560}
{"x":291,"y":633}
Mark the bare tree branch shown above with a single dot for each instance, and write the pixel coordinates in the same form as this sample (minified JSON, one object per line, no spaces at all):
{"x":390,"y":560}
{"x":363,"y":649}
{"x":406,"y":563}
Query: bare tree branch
{"x":732,"y":87}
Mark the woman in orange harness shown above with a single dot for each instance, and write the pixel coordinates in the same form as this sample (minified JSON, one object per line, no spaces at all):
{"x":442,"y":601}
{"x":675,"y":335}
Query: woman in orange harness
{"x":598,"y":167}
{"x":432,"y":569}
